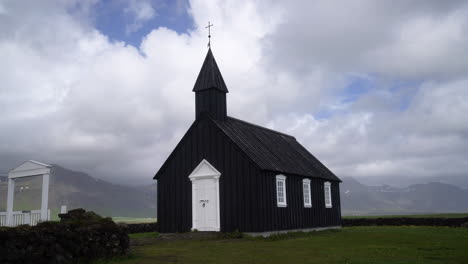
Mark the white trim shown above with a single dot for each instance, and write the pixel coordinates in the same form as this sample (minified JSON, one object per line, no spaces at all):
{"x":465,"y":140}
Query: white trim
{"x":10,"y":201}
{"x":205,"y":170}
{"x":40,"y":163}
{"x":30,"y":164}
{"x":45,"y":196}
{"x":281,"y":179}
{"x":306,"y":182}
{"x":29,"y":168}
{"x":28,"y":173}
{"x":327,"y":188}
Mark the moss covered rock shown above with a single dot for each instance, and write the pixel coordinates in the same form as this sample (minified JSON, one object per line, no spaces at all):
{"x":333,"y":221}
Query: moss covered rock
{"x":79,"y":236}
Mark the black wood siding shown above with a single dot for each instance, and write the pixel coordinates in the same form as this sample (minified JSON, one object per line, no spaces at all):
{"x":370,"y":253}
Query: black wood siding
{"x":211,"y":101}
{"x":247,"y":194}
{"x":205,"y":141}
{"x":270,"y":217}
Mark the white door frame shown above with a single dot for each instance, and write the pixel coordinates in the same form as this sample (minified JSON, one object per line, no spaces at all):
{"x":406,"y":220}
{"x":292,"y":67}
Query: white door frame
{"x":205,"y":170}
{"x":28,"y":169}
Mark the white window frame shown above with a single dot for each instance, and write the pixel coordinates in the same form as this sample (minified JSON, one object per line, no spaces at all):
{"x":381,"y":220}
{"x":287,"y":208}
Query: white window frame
{"x":281,"y":180}
{"x":327,"y":188}
{"x":306,"y":193}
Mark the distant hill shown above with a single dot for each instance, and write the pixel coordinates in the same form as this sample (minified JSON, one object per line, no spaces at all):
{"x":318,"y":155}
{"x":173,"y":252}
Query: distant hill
{"x":79,"y":190}
{"x":460,"y":181}
{"x":436,"y":197}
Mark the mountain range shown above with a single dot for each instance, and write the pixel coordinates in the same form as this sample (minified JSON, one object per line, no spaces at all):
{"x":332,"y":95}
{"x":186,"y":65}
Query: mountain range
{"x":433,"y":197}
{"x":79,"y":190}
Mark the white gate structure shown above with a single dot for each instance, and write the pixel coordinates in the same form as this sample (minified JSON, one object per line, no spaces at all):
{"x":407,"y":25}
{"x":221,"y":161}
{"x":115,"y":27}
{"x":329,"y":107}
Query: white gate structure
{"x":27,"y":169}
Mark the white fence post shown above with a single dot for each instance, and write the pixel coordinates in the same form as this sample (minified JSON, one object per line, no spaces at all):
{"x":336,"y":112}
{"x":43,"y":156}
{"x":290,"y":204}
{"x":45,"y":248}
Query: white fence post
{"x":10,"y":198}
{"x":45,"y":197}
{"x":2,"y":219}
{"x":27,"y":218}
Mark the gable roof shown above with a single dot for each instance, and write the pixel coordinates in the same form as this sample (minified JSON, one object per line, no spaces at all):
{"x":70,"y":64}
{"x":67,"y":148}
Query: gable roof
{"x":29,"y":168}
{"x":268,"y":149}
{"x":274,"y":151}
{"x":210,"y":76}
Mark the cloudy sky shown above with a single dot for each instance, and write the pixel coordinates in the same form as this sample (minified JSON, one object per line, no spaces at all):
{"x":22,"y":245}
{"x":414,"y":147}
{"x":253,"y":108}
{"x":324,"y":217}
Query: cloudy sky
{"x":374,"y":89}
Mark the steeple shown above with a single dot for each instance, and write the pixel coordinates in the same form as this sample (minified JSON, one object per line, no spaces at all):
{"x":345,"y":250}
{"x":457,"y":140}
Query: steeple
{"x":210,"y":90}
{"x":210,"y":76}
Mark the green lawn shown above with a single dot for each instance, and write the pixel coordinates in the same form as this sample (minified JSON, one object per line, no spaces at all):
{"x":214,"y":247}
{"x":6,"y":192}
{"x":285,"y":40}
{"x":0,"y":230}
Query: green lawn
{"x":453,"y":215}
{"x":133,"y":220}
{"x":374,"y":245}
{"x":144,"y":235}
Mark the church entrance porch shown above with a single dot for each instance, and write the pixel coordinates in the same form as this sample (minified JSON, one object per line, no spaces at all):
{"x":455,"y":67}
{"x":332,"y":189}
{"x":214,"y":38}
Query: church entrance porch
{"x":205,"y":197}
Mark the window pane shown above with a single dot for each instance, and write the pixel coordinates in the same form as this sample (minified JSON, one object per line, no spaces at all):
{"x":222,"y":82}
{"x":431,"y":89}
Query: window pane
{"x":280,"y":192}
{"x":328,"y":202}
{"x":306,"y":193}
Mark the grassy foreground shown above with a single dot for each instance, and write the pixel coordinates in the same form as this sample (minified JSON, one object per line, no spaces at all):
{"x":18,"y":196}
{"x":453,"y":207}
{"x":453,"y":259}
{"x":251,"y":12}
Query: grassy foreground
{"x":133,"y":220}
{"x":449,"y":215}
{"x":143,"y":235}
{"x":349,"y":245}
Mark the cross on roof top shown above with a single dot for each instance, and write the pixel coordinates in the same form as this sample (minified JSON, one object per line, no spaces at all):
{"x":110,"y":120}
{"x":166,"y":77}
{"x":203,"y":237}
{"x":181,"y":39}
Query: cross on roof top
{"x":209,"y":33}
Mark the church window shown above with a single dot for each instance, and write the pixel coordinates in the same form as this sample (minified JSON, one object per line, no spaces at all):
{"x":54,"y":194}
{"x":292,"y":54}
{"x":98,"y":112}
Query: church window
{"x":306,"y":192}
{"x":328,"y":198}
{"x":281,"y":190}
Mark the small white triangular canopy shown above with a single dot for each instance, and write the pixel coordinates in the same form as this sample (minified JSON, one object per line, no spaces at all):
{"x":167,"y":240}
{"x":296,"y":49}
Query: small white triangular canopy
{"x":29,"y":168}
{"x":204,"y":170}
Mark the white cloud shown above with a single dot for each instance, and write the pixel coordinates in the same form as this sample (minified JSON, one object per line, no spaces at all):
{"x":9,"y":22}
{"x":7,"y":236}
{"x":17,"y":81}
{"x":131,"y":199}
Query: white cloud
{"x":3,"y":10}
{"x":140,"y":11}
{"x":70,"y":96}
{"x":429,"y":138}
{"x":425,"y":47}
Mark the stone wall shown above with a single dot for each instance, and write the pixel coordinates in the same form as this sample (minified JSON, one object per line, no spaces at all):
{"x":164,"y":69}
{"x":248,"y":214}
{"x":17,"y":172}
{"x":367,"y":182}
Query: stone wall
{"x":407,"y":221}
{"x":140,"y":228}
{"x":79,"y":236}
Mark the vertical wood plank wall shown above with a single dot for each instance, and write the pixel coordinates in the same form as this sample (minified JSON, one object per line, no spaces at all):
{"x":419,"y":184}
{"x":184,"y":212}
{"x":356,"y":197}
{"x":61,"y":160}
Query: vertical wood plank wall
{"x":295,"y":215}
{"x":247,"y":194}
{"x":211,"y":101}
{"x":205,"y":141}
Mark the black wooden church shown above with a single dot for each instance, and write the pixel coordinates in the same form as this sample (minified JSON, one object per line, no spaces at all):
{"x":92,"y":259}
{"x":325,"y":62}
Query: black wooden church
{"x":227,"y":174}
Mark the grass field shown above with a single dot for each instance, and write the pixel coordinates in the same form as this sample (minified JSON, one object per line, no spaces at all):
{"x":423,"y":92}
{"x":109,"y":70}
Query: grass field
{"x":454,"y":215}
{"x":133,"y":220}
{"x":377,"y":245}
{"x":143,"y":235}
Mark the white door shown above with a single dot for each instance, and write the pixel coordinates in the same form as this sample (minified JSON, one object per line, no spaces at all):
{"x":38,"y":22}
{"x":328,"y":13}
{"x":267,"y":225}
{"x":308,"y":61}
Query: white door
{"x":205,"y":205}
{"x":205,"y":197}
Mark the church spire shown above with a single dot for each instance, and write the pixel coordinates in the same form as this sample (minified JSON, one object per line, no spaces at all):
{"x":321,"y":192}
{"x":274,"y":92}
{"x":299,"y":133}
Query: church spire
{"x":210,"y":76}
{"x":210,"y":90}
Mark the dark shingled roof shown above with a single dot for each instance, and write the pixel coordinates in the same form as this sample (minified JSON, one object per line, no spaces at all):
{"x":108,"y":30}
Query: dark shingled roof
{"x":274,"y":151}
{"x":210,"y":76}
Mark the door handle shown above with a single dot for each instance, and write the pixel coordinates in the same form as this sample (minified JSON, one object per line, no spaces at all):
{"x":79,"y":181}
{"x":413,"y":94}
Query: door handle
{"x":204,"y":201}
